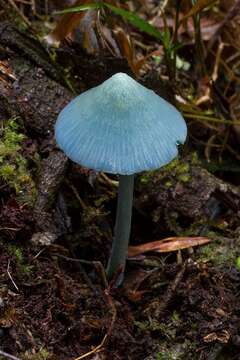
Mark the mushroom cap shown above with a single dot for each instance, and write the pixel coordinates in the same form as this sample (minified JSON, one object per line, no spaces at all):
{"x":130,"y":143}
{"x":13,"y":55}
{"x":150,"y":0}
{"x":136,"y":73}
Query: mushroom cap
{"x":120,"y":127}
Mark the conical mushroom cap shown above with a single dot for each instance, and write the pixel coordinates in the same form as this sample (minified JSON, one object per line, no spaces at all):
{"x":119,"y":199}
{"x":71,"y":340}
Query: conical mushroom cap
{"x":120,"y":127}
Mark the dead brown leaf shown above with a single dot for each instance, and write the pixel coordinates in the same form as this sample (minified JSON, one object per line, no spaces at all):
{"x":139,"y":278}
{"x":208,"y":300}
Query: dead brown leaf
{"x":127,"y":50}
{"x":167,"y":245}
{"x":132,"y":283}
{"x":199,"y":6}
{"x":126,"y":47}
{"x":66,"y":24}
{"x":222,"y":336}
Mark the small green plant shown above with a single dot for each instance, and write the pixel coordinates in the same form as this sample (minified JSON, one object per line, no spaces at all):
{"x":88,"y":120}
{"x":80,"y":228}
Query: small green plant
{"x":42,"y":354}
{"x":14,"y":170}
{"x":16,"y":252}
{"x":219,"y":252}
{"x":177,"y":351}
{"x":238,"y":263}
{"x":176,"y":170}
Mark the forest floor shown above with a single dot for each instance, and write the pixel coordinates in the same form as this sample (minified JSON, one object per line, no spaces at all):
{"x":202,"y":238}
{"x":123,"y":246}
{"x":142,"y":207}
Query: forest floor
{"x":57,"y":218}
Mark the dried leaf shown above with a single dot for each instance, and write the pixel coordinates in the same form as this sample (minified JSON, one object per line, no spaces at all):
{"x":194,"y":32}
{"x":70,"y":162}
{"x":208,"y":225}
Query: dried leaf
{"x":222,"y":336}
{"x":167,"y":245}
{"x":67,"y":23}
{"x":127,"y":50}
{"x":126,"y":47}
{"x":138,"y":64}
{"x":199,"y":6}
{"x":129,"y":16}
{"x":132,"y":283}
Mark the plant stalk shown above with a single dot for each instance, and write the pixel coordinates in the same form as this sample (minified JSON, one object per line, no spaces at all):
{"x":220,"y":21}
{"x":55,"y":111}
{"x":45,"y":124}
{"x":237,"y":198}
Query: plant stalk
{"x":119,"y":251}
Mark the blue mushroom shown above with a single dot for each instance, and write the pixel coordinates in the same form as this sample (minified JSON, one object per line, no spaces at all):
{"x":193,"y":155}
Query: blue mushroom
{"x":120,"y":127}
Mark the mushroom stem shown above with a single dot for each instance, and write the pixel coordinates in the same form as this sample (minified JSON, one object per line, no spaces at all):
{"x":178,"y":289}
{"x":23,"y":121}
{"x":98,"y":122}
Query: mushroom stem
{"x":119,"y":251}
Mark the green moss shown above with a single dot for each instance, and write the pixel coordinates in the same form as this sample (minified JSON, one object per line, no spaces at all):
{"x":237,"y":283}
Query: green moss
{"x":219,"y":252}
{"x":168,"y":330}
{"x":177,"y":170}
{"x":146,"y":176}
{"x":238,"y":263}
{"x":172,"y":165}
{"x":194,"y":159}
{"x":168,"y":184}
{"x":178,"y":351}
{"x":184,"y":178}
{"x":170,"y":347}
{"x":42,"y":354}
{"x":7,"y":171}
{"x":14,"y":170}
{"x":16,"y":252}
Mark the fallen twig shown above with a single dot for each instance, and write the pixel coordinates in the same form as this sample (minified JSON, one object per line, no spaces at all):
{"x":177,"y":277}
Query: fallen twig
{"x":234,"y":10}
{"x":10,"y":276}
{"x":21,"y":15}
{"x":96,"y":264}
{"x":109,"y":332}
{"x":171,"y":290}
{"x":169,"y":294}
{"x":8,"y":356}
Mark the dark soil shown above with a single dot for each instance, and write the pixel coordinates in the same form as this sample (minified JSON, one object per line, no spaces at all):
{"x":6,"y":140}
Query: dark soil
{"x":48,"y":304}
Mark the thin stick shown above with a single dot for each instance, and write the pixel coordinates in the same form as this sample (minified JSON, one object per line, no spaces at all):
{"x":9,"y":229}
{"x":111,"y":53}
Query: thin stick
{"x":46,"y":7}
{"x":10,"y":276}
{"x":23,"y":17}
{"x":67,"y":258}
{"x":211,"y":119}
{"x":108,"y":180}
{"x":95,"y":350}
{"x":23,"y":2}
{"x":33,"y":7}
{"x":171,"y":291}
{"x":8,"y":228}
{"x":8,"y":356}
{"x":97,"y":264}
{"x":106,"y":337}
{"x":81,"y":202}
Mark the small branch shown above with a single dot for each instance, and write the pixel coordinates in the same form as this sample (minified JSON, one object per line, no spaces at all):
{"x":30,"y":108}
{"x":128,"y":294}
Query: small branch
{"x":97,"y":264}
{"x":234,"y":10}
{"x":8,"y":228}
{"x":23,"y":17}
{"x":8,"y":356}
{"x":171,"y":290}
{"x":74,"y":190}
{"x":157,"y":311}
{"x":106,"y":337}
{"x":105,"y":179}
{"x":10,"y":276}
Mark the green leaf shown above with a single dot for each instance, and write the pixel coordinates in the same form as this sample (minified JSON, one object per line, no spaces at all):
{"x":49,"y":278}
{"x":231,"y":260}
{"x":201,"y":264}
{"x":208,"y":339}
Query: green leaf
{"x":131,"y":17}
{"x":76,"y":9}
{"x":135,"y":20}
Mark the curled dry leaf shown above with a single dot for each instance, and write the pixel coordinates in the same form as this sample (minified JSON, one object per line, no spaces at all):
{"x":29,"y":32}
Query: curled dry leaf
{"x":197,"y":8}
{"x":127,"y":50}
{"x":222,"y":336}
{"x":67,"y":23}
{"x":167,"y":245}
